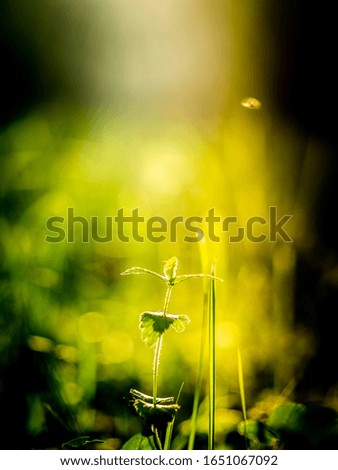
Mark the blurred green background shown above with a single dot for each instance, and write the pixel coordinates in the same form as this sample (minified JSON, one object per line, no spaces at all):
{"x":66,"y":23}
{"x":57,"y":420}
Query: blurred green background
{"x":122,"y":104}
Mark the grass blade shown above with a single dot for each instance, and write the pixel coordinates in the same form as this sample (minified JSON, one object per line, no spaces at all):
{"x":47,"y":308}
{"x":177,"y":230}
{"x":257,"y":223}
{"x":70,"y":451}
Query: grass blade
{"x":212,"y":362}
{"x":198,"y":387}
{"x":242,"y":391}
{"x":170,"y":426}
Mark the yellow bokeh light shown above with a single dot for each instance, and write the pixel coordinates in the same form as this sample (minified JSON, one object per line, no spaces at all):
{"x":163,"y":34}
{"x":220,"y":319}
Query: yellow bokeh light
{"x":116,"y":348}
{"x":165,"y":170}
{"x":227,"y":335}
{"x":71,"y":393}
{"x":92,"y":327}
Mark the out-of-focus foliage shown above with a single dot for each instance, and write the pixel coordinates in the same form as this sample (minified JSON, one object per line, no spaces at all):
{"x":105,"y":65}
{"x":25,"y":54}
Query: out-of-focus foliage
{"x":155,"y":123}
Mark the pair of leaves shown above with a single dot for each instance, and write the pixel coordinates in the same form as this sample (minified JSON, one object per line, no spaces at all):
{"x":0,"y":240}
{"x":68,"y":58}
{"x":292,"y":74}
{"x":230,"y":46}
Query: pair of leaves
{"x":158,"y":414}
{"x":169,"y":275}
{"x":154,"y":324}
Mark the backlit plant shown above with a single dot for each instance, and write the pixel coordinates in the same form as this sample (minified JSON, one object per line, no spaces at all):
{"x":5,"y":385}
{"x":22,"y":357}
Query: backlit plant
{"x":158,"y":413}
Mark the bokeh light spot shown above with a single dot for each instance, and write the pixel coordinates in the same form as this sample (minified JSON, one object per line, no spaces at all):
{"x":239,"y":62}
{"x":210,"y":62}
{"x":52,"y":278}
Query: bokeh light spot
{"x":92,"y":327}
{"x":116,"y":348}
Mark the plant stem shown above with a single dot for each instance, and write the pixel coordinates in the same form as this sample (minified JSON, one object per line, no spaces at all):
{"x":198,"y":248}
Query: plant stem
{"x":158,"y":347}
{"x":156,"y":365}
{"x":167,"y":299}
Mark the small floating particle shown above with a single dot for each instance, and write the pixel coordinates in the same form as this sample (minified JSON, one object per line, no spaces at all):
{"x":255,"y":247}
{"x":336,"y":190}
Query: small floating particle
{"x":251,"y":103}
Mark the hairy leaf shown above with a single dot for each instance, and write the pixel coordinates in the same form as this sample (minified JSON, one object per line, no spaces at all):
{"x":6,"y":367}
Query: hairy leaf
{"x":170,"y":270}
{"x":136,"y":394}
{"x":162,"y":413}
{"x":185,"y":277}
{"x":170,"y":273}
{"x":157,"y":415}
{"x":138,"y":270}
{"x":154,"y":324}
{"x":180,"y":322}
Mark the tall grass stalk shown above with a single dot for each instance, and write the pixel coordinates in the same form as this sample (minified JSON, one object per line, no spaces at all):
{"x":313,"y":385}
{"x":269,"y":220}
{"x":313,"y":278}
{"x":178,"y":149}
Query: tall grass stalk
{"x":242,"y":391}
{"x":212,"y":362}
{"x":198,"y":387}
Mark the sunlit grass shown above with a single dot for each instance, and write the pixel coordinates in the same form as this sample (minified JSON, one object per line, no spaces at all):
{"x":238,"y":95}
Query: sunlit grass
{"x":242,"y":389}
{"x":212,"y":362}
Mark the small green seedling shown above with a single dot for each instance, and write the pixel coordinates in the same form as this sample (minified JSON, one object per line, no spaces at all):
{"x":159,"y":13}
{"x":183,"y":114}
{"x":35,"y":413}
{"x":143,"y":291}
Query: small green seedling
{"x":159,"y":413}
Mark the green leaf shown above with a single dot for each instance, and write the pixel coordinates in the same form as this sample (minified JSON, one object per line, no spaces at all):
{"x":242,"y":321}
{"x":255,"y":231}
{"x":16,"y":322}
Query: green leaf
{"x":154,"y":324}
{"x":136,"y":394}
{"x":170,"y":273}
{"x":180,"y":322}
{"x":83,"y":442}
{"x":309,"y":426}
{"x":158,"y":414}
{"x":138,"y":270}
{"x":185,"y":277}
{"x":140,"y":442}
{"x":170,"y":270}
{"x":259,"y":433}
{"x":288,"y":416}
{"x":162,"y":413}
